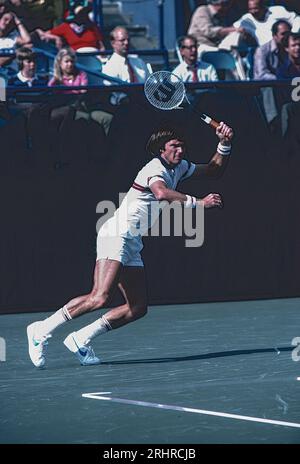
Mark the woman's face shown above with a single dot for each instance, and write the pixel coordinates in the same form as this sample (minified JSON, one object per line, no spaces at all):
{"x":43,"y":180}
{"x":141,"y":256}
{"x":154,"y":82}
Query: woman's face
{"x":6,"y":21}
{"x":67,"y":65}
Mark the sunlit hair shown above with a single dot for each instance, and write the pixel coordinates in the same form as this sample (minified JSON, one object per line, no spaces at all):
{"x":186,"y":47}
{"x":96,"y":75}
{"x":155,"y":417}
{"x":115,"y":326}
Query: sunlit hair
{"x":183,"y":38}
{"x":158,"y":140}
{"x":115,"y":29}
{"x":57,"y":72}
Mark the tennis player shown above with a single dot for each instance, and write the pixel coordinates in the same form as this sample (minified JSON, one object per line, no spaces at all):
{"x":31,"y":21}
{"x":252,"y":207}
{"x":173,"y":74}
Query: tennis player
{"x":119,"y":243}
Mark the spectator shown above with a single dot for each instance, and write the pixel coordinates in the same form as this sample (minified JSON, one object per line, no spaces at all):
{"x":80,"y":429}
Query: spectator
{"x":276,"y":104}
{"x":259,"y":20}
{"x":65,"y":71}
{"x":291,"y":67}
{"x":27,"y":76}
{"x":72,"y":5}
{"x":2,"y":7}
{"x":291,"y":5}
{"x":211,"y":27}
{"x":121,"y":65}
{"x":36,"y":13}
{"x":12,"y":33}
{"x":191,"y":69}
{"x":128,"y":68}
{"x":81,"y":34}
{"x":271,"y":55}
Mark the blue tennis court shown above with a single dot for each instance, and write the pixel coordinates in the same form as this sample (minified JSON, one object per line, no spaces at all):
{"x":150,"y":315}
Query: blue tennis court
{"x":188,"y":374}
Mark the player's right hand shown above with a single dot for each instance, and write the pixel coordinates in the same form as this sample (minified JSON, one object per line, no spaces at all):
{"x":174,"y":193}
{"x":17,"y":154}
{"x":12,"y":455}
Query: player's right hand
{"x":212,"y":200}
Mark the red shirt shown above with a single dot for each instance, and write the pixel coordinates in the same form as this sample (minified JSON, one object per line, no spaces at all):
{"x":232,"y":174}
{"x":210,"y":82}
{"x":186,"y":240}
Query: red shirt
{"x":89,"y":38}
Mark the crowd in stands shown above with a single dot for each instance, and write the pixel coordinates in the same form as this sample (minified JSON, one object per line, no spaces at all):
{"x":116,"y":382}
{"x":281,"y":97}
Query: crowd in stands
{"x":262,"y":38}
{"x":254,"y":30}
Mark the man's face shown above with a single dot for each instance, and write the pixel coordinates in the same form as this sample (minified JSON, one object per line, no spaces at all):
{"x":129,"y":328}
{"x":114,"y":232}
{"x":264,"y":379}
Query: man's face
{"x":173,"y":152}
{"x":188,"y":51}
{"x":29,"y":67}
{"x":120,"y":43}
{"x":293,"y":49}
{"x":257,"y":9}
{"x":282,"y":31}
{"x":81,"y":16}
{"x":222,"y":7}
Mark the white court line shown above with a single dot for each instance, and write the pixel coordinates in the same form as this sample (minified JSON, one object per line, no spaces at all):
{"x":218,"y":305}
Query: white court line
{"x":97,"y":396}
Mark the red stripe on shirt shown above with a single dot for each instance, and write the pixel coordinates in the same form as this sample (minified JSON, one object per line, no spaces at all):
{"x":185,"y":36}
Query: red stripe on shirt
{"x":139,"y":187}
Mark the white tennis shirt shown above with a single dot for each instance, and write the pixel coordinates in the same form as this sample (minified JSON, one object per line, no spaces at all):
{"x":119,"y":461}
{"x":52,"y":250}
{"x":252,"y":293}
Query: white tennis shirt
{"x":140,"y":209}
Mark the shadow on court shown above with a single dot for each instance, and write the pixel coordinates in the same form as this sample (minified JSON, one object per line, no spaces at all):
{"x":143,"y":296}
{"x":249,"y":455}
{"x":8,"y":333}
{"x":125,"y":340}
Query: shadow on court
{"x":201,"y":356}
{"x":179,"y":361}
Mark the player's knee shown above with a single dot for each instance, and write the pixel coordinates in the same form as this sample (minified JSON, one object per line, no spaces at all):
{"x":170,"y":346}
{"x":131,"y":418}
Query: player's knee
{"x":97,"y":300}
{"x":140,"y":311}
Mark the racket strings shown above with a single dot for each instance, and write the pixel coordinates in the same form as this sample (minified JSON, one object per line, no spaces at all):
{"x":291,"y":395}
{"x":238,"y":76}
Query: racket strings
{"x":164,"y":90}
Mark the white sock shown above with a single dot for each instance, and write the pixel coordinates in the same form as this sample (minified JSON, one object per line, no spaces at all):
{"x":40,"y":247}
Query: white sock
{"x":86,"y":334}
{"x":47,"y":326}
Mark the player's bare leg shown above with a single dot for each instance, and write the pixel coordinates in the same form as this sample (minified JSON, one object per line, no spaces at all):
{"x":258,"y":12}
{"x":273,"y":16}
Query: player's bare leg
{"x":133,"y":287}
{"x":106,"y":277}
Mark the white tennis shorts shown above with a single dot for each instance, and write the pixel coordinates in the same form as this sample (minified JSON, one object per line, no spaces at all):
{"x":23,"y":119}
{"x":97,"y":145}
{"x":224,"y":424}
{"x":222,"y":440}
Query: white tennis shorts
{"x":126,"y":250}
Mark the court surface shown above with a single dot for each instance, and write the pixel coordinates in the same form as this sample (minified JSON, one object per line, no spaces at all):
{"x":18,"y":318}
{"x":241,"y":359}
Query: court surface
{"x":188,"y":374}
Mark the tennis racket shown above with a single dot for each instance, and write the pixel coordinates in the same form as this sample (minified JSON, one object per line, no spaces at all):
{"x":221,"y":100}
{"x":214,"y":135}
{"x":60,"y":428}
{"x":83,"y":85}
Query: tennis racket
{"x":166,"y":91}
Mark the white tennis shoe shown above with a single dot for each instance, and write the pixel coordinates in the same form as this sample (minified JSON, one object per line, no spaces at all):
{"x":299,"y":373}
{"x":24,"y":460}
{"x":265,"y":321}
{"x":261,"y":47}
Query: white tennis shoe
{"x":36,"y":346}
{"x":85,"y":354}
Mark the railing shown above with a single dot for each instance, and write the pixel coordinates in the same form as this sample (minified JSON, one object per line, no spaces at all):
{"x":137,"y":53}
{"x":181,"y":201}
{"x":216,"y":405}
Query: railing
{"x":10,"y":53}
{"x":239,"y":85}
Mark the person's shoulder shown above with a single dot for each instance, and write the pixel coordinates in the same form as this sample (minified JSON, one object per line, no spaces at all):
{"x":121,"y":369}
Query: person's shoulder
{"x":52,"y":82}
{"x":135,"y":59}
{"x":247,"y":17}
{"x":82,"y":74}
{"x":203,"y":9}
{"x":265,"y":48}
{"x":112,"y":61}
{"x":179,"y":68}
{"x":113,"y":58}
{"x":60,"y":28}
{"x":15,"y":81}
{"x":155,"y":166}
{"x":153,"y":163}
{"x":277,"y":10}
{"x":183,"y":165}
{"x":205,"y":66}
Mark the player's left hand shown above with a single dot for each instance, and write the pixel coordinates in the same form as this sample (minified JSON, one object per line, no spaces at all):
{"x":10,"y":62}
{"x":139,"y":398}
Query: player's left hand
{"x":224,"y":132}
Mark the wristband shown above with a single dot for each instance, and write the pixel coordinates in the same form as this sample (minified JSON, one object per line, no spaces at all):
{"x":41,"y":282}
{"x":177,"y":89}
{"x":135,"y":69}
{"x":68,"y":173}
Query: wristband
{"x":223,"y":150}
{"x":190,"y":202}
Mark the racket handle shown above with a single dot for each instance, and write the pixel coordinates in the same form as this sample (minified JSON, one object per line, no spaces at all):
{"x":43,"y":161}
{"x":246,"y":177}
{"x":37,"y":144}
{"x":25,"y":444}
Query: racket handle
{"x":209,"y":121}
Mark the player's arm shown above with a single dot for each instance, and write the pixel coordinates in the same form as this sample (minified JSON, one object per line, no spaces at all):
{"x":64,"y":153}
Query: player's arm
{"x":216,"y":166}
{"x":163,"y":193}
